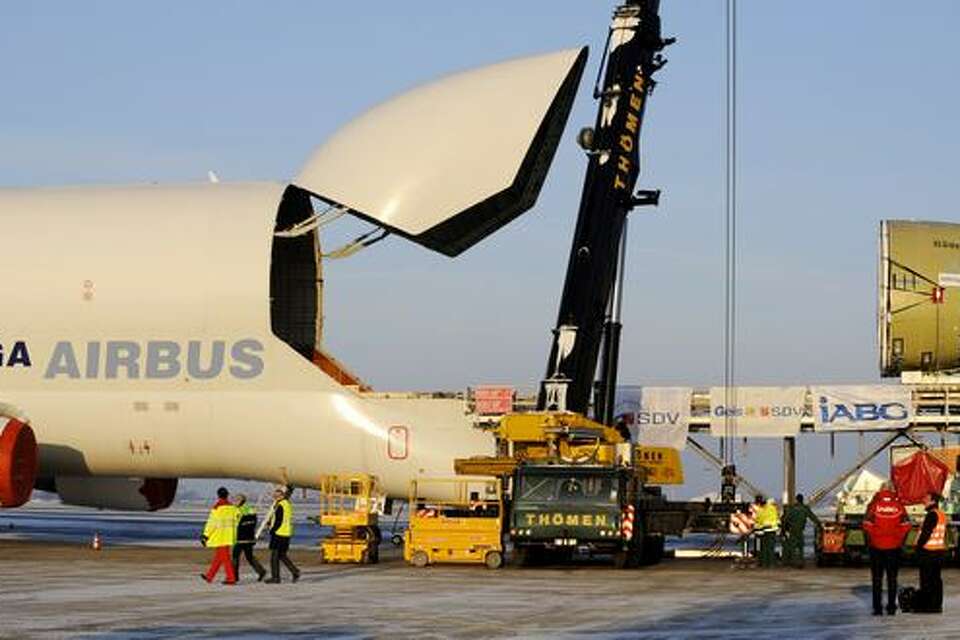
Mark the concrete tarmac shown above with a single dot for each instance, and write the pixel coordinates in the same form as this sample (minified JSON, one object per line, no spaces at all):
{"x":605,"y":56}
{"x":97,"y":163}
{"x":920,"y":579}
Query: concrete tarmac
{"x":53,"y":590}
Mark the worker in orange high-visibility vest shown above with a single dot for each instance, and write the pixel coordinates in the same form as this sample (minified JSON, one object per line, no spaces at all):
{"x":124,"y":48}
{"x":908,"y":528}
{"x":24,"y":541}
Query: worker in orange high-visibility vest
{"x":220,"y":534}
{"x":931,"y":552}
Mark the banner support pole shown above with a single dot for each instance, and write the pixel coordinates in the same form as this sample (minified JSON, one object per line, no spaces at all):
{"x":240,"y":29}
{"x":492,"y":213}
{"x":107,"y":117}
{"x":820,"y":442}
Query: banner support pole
{"x":789,"y":469}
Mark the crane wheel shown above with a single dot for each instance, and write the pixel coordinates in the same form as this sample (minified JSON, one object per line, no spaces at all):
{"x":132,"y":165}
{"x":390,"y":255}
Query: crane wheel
{"x":419,"y":559}
{"x":493,"y":560}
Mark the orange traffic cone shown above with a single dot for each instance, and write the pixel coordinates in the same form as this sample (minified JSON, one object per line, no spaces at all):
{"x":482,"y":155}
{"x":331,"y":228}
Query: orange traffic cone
{"x":96,"y":544}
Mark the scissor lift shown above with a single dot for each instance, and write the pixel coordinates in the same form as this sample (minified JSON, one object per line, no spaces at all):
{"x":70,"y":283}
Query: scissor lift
{"x":465,"y":526}
{"x":351,"y":504}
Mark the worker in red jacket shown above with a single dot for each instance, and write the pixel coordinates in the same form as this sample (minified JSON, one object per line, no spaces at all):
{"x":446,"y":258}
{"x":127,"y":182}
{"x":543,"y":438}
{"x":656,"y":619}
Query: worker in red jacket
{"x":886,"y":525}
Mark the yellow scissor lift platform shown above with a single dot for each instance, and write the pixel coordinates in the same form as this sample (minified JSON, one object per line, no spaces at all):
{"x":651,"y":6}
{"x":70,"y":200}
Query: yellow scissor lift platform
{"x":351,"y":504}
{"x":463,"y":526}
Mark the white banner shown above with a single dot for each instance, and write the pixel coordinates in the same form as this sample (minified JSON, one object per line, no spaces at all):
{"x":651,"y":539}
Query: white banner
{"x":949,"y":280}
{"x":757,"y":412}
{"x":656,"y":416}
{"x":861,"y":408}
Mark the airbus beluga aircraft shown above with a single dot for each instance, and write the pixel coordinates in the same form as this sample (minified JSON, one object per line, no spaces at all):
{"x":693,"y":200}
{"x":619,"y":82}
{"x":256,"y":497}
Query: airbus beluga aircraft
{"x":148,"y":330}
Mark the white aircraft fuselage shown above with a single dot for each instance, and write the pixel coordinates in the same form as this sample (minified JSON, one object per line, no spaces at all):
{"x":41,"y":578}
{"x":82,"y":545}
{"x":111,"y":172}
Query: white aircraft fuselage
{"x":145,"y":316}
{"x":167,"y":331}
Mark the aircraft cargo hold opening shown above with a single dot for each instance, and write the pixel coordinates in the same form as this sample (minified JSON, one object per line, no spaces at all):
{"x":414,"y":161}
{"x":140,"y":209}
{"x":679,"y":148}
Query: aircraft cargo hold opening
{"x":296,"y":285}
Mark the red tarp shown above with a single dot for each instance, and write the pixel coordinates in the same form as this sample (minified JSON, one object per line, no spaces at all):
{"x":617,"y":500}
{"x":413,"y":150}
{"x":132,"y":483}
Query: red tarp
{"x":919,"y":475}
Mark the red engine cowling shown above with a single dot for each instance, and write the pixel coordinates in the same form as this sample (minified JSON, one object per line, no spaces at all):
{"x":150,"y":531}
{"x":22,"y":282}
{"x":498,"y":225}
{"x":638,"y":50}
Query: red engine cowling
{"x":18,"y":463}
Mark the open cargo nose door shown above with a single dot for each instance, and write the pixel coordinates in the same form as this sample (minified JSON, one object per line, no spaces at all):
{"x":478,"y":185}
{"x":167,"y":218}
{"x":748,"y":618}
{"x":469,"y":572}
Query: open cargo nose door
{"x":448,"y":163}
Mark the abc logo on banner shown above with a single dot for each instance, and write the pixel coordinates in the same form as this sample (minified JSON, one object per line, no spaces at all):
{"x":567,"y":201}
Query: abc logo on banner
{"x":861,"y":408}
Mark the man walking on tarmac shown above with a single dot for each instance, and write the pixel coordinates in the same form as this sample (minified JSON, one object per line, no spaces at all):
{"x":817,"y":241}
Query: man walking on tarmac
{"x":795,"y":518}
{"x":886,"y":524}
{"x":281,"y":530}
{"x":246,"y":538}
{"x":931,"y":550}
{"x":767,"y":525}
{"x":220,"y":533}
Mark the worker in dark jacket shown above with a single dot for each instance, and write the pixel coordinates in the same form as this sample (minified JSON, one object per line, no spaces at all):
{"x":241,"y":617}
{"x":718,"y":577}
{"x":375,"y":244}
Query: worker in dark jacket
{"x":886,"y":524}
{"x":931,"y":551}
{"x":281,"y":530}
{"x":246,"y":538}
{"x":795,"y":518}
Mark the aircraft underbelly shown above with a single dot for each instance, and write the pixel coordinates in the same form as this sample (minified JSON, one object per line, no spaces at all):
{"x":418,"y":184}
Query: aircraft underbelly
{"x":274,"y":436}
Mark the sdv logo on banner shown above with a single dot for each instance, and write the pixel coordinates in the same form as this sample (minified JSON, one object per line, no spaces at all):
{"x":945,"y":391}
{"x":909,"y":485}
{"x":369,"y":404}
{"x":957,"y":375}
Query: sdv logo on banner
{"x":657,"y":416}
{"x":758,"y":412}
{"x":862,"y":408}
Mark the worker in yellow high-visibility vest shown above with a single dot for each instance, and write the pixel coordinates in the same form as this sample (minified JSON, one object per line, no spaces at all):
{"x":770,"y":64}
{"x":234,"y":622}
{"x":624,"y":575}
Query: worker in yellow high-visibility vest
{"x":281,"y":530}
{"x":767,"y":524}
{"x":220,"y":534}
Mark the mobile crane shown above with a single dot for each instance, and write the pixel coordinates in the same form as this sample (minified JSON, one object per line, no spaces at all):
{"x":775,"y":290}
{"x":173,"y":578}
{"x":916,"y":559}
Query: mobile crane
{"x":577,"y":482}
{"x":574,"y":480}
{"x":561,"y":503}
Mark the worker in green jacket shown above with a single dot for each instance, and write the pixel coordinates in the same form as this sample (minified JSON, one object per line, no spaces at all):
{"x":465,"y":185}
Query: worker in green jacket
{"x":795,"y":518}
{"x":766,"y":526}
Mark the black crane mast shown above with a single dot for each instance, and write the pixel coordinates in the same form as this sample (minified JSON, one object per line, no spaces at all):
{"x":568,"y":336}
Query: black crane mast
{"x":632,"y":57}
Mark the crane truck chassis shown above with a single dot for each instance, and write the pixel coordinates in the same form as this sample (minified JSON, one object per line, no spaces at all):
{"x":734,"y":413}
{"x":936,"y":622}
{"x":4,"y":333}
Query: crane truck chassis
{"x":559,"y":510}
{"x":576,"y":487}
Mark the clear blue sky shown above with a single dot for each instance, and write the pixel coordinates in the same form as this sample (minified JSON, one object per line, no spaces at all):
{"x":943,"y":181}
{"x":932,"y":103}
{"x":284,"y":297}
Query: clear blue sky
{"x":847,"y":117}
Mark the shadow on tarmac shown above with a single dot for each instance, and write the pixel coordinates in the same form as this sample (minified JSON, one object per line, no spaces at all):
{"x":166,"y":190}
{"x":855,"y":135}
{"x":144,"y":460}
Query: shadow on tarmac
{"x":174,"y":631}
